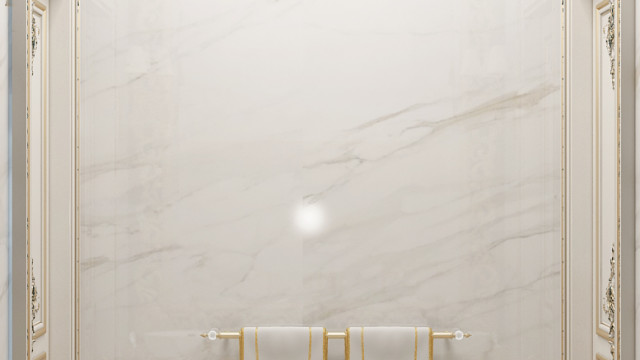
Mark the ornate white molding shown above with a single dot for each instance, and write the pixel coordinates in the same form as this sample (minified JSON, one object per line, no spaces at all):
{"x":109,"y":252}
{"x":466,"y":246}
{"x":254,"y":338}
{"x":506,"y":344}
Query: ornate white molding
{"x":35,"y":303}
{"x":610,"y":35}
{"x":35,"y":33}
{"x":609,"y":304}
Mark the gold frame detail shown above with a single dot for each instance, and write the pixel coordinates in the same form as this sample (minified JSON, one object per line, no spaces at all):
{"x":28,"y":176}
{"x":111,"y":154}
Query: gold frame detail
{"x":600,"y":9}
{"x":76,"y":182}
{"x":563,"y":186}
{"x":34,"y":8}
{"x":598,"y":12}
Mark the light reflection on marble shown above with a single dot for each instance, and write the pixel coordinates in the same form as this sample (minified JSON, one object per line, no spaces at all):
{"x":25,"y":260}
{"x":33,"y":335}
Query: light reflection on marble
{"x":429,"y":134}
{"x":4,"y":183}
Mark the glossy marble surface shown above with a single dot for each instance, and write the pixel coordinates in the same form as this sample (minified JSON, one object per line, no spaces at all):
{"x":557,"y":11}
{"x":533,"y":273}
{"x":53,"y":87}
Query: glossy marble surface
{"x":4,"y":183}
{"x":331,"y":163}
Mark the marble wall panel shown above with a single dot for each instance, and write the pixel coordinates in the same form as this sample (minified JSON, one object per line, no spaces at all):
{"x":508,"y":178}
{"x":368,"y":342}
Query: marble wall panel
{"x":319,"y":162}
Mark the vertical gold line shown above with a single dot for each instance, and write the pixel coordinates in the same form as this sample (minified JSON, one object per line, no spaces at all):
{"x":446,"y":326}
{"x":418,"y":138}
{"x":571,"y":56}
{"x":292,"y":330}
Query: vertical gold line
{"x":598,"y":172}
{"x":256,"y":344}
{"x":563,"y":160}
{"x":45,"y":91}
{"x":415,"y":347}
{"x":362,"y":341}
{"x":44,"y":154}
{"x":76,"y":184}
{"x":597,"y":175}
{"x":28,"y":178}
{"x":347,"y":345}
{"x":241,"y":344}
{"x":325,"y":344}
{"x":430,"y":344}
{"x":617,"y":14}
{"x":310,"y":337}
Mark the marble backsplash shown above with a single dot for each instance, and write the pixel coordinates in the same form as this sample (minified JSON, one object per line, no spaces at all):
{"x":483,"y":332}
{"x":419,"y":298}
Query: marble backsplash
{"x":336,"y":163}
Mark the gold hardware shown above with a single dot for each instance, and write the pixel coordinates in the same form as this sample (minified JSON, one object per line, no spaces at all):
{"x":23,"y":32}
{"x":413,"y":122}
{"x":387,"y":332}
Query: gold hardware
{"x":448,"y":335}
{"x":337,"y":335}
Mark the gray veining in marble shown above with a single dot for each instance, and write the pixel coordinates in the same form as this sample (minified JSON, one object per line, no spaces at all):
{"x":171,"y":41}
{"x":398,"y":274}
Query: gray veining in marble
{"x":337,"y":163}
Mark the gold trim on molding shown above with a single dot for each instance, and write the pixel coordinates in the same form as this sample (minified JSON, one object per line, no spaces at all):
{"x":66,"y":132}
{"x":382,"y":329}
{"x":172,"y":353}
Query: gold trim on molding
{"x":44,"y":36}
{"x":40,"y":328}
{"x":600,"y":325}
{"x":28,"y":185}
{"x":597,"y":170}
{"x":617,"y":16}
{"x":563,"y":186}
{"x":41,"y":356}
{"x":602,"y":332}
{"x":32,"y":333}
{"x":76,"y":184}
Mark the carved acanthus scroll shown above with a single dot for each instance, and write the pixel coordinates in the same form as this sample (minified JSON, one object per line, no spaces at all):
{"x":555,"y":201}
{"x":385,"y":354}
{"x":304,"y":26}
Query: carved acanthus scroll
{"x":609,"y":31}
{"x":609,"y":305}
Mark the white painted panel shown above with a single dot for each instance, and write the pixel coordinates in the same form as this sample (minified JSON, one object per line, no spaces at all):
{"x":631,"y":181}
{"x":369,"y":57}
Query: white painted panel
{"x":61,"y":174}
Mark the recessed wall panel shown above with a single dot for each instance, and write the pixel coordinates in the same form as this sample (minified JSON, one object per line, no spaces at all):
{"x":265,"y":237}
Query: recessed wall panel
{"x":38,"y":179}
{"x":336,"y":163}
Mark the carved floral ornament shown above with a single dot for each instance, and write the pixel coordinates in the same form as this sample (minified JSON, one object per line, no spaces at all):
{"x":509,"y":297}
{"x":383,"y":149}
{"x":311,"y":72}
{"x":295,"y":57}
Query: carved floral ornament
{"x":35,"y":33}
{"x":35,"y":302}
{"x":609,"y":30}
{"x":609,"y":304}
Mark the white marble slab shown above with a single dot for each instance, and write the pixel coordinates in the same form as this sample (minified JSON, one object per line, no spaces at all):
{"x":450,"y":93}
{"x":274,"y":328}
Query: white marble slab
{"x":426,"y":135}
{"x":4,"y":183}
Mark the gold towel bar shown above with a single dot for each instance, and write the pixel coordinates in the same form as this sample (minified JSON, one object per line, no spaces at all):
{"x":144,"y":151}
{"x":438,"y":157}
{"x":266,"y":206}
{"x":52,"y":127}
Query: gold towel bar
{"x":337,"y":335}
